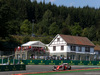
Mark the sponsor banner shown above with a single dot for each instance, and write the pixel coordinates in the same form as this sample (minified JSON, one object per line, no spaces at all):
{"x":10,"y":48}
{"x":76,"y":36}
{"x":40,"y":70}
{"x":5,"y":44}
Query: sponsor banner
{"x":49,"y":62}
{"x":12,"y":67}
{"x":58,"y":62}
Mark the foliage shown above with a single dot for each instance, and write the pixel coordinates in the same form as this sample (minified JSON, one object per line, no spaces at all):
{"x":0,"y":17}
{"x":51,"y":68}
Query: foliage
{"x":26,"y":27}
{"x":76,"y":29}
{"x":26,"y":39}
{"x":46,"y":40}
{"x":90,"y":33}
{"x":66,"y":31}
{"x":53,"y":29}
{"x":16,"y":18}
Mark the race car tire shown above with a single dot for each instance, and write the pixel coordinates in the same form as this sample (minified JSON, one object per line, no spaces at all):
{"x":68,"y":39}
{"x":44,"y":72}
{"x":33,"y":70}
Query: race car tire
{"x":53,"y":69}
{"x":69,"y":68}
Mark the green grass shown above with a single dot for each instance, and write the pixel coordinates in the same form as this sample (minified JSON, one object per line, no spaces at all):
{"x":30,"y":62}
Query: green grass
{"x":60,"y":72}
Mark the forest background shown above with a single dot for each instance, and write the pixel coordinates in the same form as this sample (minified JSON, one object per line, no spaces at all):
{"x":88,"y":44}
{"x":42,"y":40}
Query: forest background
{"x":19,"y":19}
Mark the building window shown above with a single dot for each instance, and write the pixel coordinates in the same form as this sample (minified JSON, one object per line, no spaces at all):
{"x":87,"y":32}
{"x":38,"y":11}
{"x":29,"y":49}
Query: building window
{"x":54,"y":48}
{"x":79,"y":48}
{"x":58,"y":39}
{"x":73,"y":48}
{"x":62,"y":47}
{"x":87,"y":49}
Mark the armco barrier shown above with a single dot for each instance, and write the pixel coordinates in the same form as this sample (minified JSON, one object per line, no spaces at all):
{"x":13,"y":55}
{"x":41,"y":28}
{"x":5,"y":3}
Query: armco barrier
{"x":12,"y":67}
{"x":51,"y":62}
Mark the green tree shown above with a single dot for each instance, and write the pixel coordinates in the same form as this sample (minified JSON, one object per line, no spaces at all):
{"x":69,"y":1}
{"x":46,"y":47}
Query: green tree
{"x":98,"y":35}
{"x":76,"y":29}
{"x":26,"y":39}
{"x":90,"y":33}
{"x":47,"y":18}
{"x":98,"y":29}
{"x":85,"y":32}
{"x":53,"y":29}
{"x":13,"y":27}
{"x":7,"y":14}
{"x":46,"y":40}
{"x":26,"y":27}
{"x":67,"y":21}
{"x":43,"y":26}
{"x":66,"y":31}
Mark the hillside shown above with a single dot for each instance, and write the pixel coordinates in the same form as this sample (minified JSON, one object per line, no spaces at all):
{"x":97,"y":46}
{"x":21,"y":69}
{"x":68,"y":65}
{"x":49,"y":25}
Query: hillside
{"x":17,"y":17}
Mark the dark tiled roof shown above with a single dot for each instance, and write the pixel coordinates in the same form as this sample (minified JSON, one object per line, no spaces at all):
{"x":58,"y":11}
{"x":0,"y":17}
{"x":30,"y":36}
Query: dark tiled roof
{"x":97,"y":47}
{"x":77,"y":40}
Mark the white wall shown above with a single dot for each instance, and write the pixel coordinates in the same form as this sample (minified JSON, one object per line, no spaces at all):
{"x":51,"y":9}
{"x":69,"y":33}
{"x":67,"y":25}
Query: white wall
{"x":67,"y":49}
{"x":60,"y":43}
{"x":96,"y":52}
{"x":58,"y":49}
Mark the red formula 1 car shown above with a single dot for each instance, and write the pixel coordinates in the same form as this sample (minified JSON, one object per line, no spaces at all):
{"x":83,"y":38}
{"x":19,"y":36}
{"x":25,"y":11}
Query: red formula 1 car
{"x":64,"y":66}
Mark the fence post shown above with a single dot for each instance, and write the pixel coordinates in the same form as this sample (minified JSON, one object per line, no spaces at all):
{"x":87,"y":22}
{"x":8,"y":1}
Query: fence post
{"x":2,"y":60}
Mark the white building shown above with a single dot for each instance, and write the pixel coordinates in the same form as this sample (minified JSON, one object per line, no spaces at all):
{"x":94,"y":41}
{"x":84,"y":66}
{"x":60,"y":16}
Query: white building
{"x":97,"y":52}
{"x":30,"y":50}
{"x":72,"y":47}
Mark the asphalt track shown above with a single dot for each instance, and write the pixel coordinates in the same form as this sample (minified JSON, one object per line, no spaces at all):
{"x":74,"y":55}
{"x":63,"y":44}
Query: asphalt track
{"x":42,"y":68}
{"x":81,"y":73}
